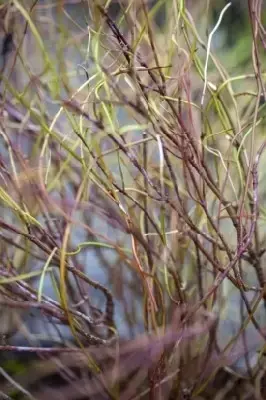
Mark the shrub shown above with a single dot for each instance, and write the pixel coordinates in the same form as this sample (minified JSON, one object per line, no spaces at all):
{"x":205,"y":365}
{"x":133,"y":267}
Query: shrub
{"x":132,"y":198}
